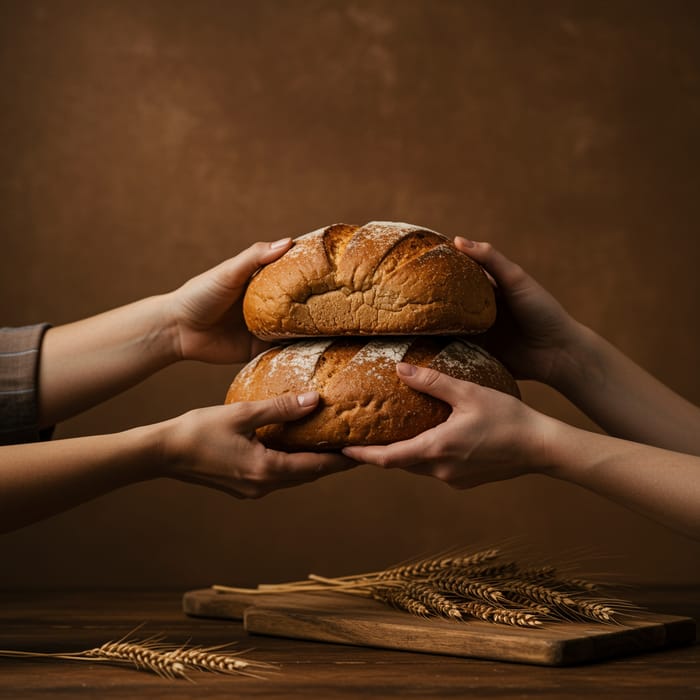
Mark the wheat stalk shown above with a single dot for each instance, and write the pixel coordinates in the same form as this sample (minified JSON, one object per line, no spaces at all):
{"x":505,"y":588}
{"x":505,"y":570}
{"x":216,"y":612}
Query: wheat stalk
{"x":582,"y":584}
{"x":492,"y":613}
{"x":480,"y":584}
{"x":207,"y":659}
{"x":494,"y":570}
{"x":141,"y":655}
{"x":398,"y":598}
{"x":539,"y":593}
{"x":523,"y":602}
{"x":537,"y":573}
{"x":425,"y":567}
{"x":168,"y":661}
{"x":433,"y":599}
{"x":449,"y":582}
{"x":595,"y":610}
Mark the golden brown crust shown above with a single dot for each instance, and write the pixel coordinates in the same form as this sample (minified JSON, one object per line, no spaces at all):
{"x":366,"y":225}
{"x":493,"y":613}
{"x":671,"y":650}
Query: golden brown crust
{"x":383,"y":278}
{"x":363,"y":402}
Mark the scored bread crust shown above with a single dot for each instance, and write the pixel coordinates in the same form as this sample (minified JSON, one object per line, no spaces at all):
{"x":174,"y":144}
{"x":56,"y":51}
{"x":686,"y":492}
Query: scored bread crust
{"x":383,"y":278}
{"x":363,"y":401}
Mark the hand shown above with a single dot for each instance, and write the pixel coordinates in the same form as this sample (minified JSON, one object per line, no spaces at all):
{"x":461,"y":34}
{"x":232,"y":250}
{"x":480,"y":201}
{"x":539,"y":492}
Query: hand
{"x":207,"y":312}
{"x":217,"y":447}
{"x":533,"y":333}
{"x":489,"y":436}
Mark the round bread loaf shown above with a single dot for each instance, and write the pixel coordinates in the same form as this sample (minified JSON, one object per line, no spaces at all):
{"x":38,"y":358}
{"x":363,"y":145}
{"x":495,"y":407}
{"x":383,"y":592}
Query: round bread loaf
{"x":363,"y":401}
{"x":382,"y":278}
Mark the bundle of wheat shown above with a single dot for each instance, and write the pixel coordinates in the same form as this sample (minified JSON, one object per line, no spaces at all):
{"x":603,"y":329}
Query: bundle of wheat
{"x":482,"y":585}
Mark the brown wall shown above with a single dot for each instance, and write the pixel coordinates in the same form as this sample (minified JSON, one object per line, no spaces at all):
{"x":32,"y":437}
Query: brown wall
{"x":142,"y":142}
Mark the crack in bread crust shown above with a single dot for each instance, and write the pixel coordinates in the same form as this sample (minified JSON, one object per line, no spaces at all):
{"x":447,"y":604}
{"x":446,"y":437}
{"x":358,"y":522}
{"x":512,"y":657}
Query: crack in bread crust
{"x":382,"y":278}
{"x":362,"y":399}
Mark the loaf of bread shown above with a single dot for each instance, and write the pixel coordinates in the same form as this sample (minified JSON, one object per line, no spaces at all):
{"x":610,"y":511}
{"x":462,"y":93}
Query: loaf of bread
{"x":363,"y":401}
{"x":382,"y":278}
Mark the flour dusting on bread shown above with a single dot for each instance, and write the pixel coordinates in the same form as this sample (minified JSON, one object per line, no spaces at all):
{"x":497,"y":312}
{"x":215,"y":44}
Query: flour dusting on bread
{"x":409,"y":280}
{"x":374,"y":357}
{"x":382,"y":350}
{"x":452,"y":359}
{"x":300,"y":360}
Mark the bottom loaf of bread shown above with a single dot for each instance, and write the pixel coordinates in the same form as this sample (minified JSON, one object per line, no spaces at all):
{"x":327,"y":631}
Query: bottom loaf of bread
{"x":363,"y":401}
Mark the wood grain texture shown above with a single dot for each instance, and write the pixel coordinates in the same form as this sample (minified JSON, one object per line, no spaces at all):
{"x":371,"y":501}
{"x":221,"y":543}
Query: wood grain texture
{"x":74,"y":620}
{"x":332,"y":617}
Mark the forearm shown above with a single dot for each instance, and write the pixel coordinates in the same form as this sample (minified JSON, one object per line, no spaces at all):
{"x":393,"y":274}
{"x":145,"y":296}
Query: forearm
{"x":658,"y":483}
{"x":40,"y":479}
{"x":213,"y":446}
{"x":86,"y":362}
{"x":624,"y":399}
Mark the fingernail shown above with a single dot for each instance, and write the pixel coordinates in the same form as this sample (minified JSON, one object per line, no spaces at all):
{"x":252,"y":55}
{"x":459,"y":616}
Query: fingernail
{"x":459,"y":240}
{"x":307,"y":398}
{"x":282,"y":243}
{"x":405,"y":369}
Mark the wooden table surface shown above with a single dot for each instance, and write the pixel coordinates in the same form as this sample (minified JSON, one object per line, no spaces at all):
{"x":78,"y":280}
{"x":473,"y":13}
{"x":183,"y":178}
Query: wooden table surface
{"x":79,"y":620}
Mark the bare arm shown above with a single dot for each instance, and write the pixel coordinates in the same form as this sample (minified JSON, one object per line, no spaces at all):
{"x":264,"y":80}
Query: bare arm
{"x":539,"y":340}
{"x":490,"y":436}
{"x":624,"y":399}
{"x":212,"y":447}
{"x":660,"y":484}
{"x":86,"y":362}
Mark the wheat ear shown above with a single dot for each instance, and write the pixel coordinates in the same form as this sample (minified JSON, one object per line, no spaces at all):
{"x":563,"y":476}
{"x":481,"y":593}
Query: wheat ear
{"x":425,"y":567}
{"x":481,"y":584}
{"x":433,"y":600}
{"x":140,"y":656}
{"x":465,"y":587}
{"x":154,"y":656}
{"x":218,"y":659}
{"x":492,"y":613}
{"x":399,"y":598}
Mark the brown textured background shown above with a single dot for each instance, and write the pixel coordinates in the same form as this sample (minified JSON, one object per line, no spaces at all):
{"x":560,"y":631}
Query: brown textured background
{"x":142,"y":142}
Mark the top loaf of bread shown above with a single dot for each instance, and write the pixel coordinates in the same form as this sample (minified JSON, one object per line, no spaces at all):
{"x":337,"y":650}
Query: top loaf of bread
{"x":383,"y":278}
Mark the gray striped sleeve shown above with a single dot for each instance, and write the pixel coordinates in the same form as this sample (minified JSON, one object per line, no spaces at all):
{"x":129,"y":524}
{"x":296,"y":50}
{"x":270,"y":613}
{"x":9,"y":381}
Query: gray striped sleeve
{"x":19,"y":376}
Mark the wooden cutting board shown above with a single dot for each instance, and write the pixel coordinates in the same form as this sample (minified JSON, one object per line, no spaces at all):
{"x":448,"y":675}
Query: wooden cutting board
{"x":340,"y":618}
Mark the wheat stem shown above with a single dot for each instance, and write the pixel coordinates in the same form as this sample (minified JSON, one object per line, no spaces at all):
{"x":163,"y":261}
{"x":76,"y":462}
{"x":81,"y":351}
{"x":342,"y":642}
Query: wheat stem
{"x":491,"y":587}
{"x":153,"y":655}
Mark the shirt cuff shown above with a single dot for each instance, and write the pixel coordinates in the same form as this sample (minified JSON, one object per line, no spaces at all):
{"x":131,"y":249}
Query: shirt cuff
{"x":20,"y":350}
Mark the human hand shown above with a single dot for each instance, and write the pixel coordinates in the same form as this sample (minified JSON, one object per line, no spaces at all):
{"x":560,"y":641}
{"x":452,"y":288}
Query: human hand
{"x":533,"y":333}
{"x":217,"y":447}
{"x":207,"y":314}
{"x":489,"y":436}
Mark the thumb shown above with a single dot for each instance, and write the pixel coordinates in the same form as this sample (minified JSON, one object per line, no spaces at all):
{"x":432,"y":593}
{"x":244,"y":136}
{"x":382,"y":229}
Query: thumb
{"x":235,"y":272}
{"x":509,"y":276}
{"x":279,"y":409}
{"x":430,"y":381}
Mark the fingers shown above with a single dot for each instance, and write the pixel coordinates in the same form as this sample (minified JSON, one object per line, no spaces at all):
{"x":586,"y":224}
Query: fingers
{"x":405,"y":453}
{"x":508,"y":275}
{"x":381,"y":455}
{"x":298,"y":467}
{"x":236,"y":272}
{"x":430,"y":381}
{"x":260,"y":254}
{"x":280,"y":409}
{"x":399,"y":455}
{"x":267,"y":252}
